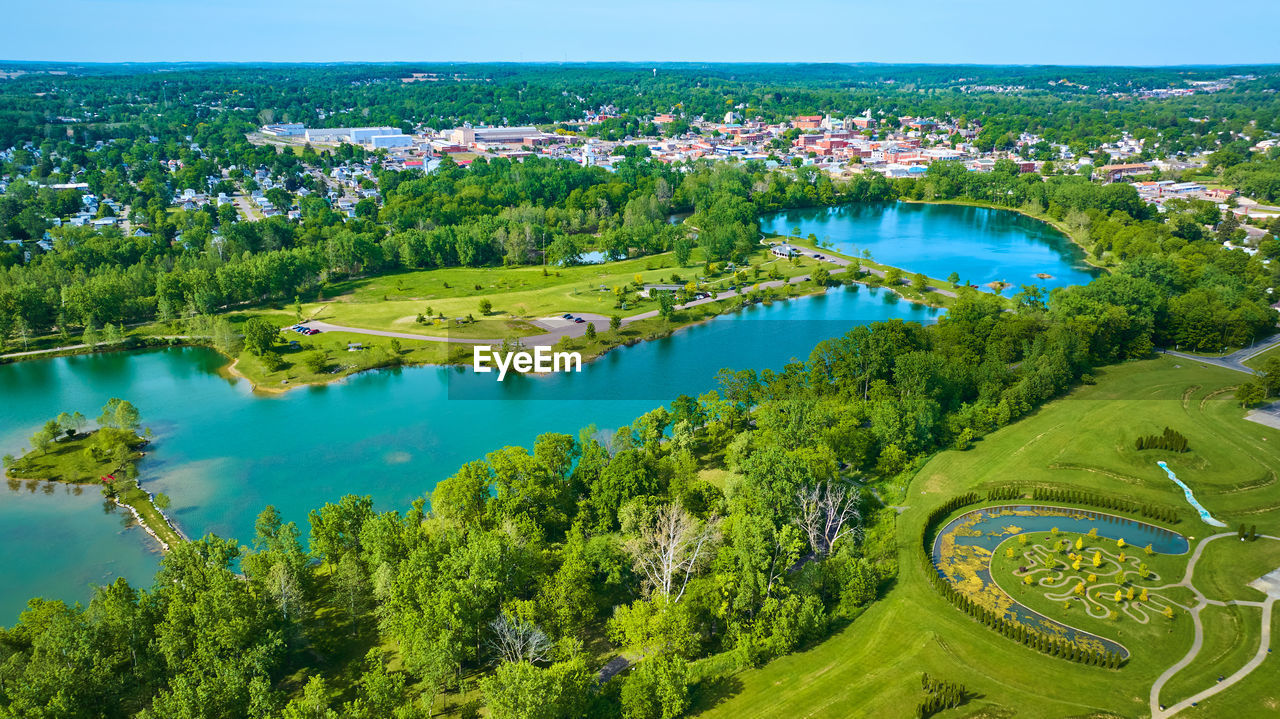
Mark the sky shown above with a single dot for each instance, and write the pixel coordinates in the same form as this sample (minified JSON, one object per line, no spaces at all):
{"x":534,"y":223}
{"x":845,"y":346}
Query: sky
{"x":1084,"y":32}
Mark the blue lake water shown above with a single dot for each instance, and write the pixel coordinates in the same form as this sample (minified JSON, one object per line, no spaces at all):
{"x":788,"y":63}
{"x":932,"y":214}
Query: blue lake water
{"x":980,"y":244}
{"x":222,"y":453}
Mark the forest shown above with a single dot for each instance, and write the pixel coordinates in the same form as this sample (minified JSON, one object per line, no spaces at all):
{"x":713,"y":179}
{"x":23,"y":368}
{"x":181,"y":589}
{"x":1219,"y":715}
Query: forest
{"x":510,"y":582}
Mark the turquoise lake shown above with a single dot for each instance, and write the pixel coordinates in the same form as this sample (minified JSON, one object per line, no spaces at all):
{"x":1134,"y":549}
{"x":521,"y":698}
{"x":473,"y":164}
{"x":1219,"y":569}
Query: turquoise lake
{"x":980,"y":244}
{"x":222,"y":452}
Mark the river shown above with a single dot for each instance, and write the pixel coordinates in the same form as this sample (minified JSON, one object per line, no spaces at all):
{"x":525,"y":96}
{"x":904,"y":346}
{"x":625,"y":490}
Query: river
{"x":222,"y":452}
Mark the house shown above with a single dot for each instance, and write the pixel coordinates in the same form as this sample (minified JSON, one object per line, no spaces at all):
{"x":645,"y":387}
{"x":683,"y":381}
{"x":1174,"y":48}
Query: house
{"x":784,"y":250}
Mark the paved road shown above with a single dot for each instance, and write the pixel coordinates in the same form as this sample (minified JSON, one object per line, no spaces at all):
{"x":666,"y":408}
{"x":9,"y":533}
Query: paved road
{"x":1264,"y":644}
{"x":1235,"y":360}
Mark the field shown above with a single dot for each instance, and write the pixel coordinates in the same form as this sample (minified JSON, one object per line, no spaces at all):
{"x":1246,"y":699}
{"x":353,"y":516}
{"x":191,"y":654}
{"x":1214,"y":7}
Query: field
{"x":1086,"y":440}
{"x":394,"y":302}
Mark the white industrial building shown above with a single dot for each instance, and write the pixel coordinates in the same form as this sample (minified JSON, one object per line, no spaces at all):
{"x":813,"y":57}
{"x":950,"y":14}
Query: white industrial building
{"x":284,"y":129}
{"x":356,"y":135}
{"x":391,"y":141}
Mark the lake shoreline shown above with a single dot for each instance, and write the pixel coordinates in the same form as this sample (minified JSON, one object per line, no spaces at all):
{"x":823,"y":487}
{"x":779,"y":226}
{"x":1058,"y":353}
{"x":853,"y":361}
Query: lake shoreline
{"x":138,"y":515}
{"x":231,"y":370}
{"x":1055,"y":224}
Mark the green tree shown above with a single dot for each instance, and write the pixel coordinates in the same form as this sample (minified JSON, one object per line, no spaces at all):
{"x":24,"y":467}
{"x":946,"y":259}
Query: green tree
{"x":682,"y":249}
{"x":658,"y":688}
{"x":260,"y":336}
{"x":485,"y":306}
{"x":666,"y":305}
{"x":316,"y":361}
{"x":1251,"y":393}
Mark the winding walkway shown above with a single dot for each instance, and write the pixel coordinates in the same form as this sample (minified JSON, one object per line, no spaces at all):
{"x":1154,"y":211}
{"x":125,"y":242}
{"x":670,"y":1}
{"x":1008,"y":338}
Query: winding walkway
{"x":1264,"y":644}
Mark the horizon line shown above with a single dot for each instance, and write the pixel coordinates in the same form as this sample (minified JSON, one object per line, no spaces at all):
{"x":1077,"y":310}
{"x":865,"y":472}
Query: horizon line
{"x":653,"y":63}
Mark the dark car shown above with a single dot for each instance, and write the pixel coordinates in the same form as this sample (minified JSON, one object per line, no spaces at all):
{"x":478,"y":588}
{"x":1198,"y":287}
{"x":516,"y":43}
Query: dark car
{"x":567,"y":316}
{"x":579,"y":320}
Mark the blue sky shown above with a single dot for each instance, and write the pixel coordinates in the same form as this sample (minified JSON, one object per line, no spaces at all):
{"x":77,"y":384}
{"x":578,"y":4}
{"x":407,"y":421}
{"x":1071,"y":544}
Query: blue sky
{"x":1088,"y":32}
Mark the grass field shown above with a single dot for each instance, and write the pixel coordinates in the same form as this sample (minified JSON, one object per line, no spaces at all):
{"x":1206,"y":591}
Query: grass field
{"x":872,"y":667}
{"x":1228,"y":565}
{"x":1258,"y":361}
{"x":394,"y":302}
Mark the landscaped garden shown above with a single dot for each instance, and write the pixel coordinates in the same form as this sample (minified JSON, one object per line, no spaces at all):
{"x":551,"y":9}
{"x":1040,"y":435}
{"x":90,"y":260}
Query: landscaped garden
{"x":1086,"y":442}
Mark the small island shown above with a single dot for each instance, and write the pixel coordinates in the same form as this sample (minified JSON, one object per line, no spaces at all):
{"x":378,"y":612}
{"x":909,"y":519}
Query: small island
{"x":64,"y":450}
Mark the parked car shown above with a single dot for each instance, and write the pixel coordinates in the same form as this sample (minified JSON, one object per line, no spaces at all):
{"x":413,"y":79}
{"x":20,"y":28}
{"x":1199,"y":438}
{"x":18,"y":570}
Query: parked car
{"x":578,"y":320}
{"x":567,"y":316}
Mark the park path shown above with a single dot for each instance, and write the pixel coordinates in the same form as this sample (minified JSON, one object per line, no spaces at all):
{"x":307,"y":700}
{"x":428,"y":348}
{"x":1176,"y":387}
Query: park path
{"x":67,"y":348}
{"x":1158,"y":710}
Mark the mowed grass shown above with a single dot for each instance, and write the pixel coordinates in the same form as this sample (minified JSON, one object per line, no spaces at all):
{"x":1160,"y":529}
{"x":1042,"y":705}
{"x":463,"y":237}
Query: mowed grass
{"x":393,"y":302}
{"x":872,"y":667}
{"x":1228,"y":565}
{"x":1258,"y":361}
{"x":1230,"y":639}
{"x":1254,"y":696}
{"x":66,"y":460}
{"x":69,"y":460}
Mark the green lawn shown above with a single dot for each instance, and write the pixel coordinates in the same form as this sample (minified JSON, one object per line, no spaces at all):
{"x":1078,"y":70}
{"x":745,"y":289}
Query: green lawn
{"x":908,"y":290}
{"x":67,"y":460}
{"x":1148,"y":638}
{"x":1257,"y":361}
{"x":1228,"y":565}
{"x":376,"y":352}
{"x":393,"y":302}
{"x":1230,"y":639}
{"x":872,"y":667}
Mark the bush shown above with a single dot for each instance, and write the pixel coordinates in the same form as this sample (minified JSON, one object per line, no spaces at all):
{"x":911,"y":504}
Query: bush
{"x":272,"y":362}
{"x":657,"y":689}
{"x":316,"y":361}
{"x":1170,"y":441}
